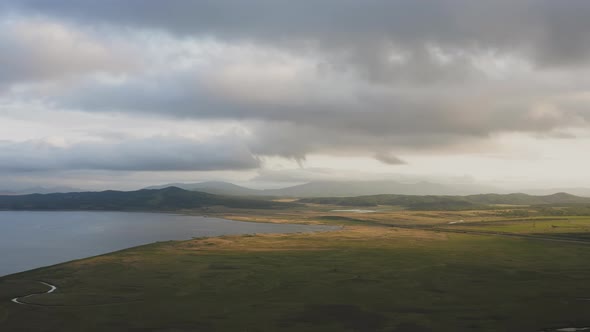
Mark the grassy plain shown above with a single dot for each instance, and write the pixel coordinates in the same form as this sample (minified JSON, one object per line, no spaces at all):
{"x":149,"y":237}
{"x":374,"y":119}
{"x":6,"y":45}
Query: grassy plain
{"x":368,"y":276}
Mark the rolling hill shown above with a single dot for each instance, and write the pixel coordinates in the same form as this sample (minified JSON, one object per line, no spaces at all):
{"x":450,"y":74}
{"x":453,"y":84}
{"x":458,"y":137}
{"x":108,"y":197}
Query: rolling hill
{"x":336,"y":189}
{"x":166,"y":199}
{"x":432,"y":202}
{"x":38,"y":190}
{"x":213,"y":187}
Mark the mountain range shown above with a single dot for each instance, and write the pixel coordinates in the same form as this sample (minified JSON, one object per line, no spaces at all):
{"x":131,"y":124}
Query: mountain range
{"x":39,"y":190}
{"x":432,"y":202}
{"x":167,"y":199}
{"x":174,"y":199}
{"x":336,"y":189}
{"x":326,"y":189}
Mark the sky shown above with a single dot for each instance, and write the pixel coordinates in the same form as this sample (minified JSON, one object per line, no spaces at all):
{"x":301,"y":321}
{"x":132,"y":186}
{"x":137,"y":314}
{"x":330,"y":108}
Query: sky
{"x":126,"y":94}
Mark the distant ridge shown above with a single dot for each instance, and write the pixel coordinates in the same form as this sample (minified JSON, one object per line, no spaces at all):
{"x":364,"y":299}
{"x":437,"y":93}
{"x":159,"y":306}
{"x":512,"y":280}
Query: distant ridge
{"x":336,"y":189}
{"x":174,"y":199}
{"x":525,"y":199}
{"x":213,"y":187}
{"x":578,"y":191}
{"x":432,"y":202}
{"x":39,"y":190}
{"x":166,"y":199}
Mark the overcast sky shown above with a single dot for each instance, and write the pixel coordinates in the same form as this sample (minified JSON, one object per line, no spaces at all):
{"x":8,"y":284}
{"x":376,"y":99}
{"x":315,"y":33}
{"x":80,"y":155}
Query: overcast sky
{"x":124,"y":94}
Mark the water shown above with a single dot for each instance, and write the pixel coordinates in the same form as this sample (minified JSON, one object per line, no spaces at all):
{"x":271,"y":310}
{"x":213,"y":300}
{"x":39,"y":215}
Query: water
{"x":34,"y":239}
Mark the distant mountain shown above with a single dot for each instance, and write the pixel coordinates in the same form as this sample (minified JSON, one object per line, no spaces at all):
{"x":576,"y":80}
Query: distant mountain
{"x":578,"y":191}
{"x":213,"y":187}
{"x":338,"y":189}
{"x":39,"y":190}
{"x":525,"y":199}
{"x":167,"y":199}
{"x":432,"y":202}
{"x":359,"y":188}
{"x":174,"y":198}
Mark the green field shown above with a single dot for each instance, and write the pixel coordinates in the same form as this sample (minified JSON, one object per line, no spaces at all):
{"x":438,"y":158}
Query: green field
{"x":565,"y":227}
{"x":365,"y":277}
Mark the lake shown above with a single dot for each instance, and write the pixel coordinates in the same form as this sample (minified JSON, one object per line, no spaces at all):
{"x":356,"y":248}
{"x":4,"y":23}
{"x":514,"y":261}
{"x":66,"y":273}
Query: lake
{"x":30,"y":240}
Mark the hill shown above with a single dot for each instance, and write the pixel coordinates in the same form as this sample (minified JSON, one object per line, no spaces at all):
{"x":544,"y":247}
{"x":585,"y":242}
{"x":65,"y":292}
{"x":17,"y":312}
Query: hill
{"x":335,"y":189}
{"x":213,"y":187}
{"x":578,"y":191}
{"x":361,"y":188}
{"x":167,"y":199}
{"x":525,"y":199}
{"x":38,"y":190}
{"x":432,"y":202}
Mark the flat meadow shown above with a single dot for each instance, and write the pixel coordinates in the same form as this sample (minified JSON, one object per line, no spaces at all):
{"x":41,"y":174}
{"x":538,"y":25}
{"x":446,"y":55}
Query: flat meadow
{"x":366,"y":276}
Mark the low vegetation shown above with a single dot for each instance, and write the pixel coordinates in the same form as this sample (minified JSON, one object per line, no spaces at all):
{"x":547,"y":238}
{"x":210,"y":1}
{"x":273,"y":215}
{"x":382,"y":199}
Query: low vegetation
{"x":369,"y":276}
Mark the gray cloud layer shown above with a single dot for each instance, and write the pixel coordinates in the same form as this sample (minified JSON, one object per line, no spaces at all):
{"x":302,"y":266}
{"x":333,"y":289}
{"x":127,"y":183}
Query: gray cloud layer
{"x":362,"y":117}
{"x":330,"y":76}
{"x":39,"y":50}
{"x":551,"y":32}
{"x":150,"y":154}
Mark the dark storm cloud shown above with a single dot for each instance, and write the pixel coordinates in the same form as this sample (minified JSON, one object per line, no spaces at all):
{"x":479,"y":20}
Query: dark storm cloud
{"x":550,"y":32}
{"x":388,"y":158}
{"x":150,"y":154}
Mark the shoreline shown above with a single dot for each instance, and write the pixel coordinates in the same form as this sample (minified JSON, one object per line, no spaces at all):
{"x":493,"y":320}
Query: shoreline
{"x":8,"y":276}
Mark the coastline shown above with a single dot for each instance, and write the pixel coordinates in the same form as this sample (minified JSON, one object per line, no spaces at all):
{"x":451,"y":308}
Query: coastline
{"x":171,"y":213}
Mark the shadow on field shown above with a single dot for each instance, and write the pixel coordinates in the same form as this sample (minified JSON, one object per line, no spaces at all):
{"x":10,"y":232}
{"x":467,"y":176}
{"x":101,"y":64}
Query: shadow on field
{"x":348,"y":316}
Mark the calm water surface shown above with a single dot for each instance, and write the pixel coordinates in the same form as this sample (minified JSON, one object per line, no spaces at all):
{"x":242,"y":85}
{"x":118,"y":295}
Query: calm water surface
{"x":34,"y":239}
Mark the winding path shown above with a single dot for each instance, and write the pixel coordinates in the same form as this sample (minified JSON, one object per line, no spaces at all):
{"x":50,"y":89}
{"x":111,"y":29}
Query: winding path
{"x":18,"y":300}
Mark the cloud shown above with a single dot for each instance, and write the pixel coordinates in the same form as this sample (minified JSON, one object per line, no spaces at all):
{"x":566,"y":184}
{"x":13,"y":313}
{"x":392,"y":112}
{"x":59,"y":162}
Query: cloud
{"x":311,"y":174}
{"x":305,"y":110}
{"x":148,"y":154}
{"x":549,"y":32}
{"x":374,"y":78}
{"x":35,"y":49}
{"x":389,"y":159}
